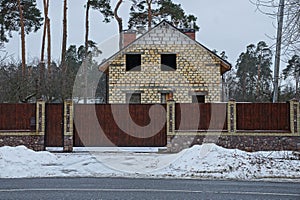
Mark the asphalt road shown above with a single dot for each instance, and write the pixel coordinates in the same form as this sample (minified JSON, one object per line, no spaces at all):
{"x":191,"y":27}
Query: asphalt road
{"x":121,"y":188}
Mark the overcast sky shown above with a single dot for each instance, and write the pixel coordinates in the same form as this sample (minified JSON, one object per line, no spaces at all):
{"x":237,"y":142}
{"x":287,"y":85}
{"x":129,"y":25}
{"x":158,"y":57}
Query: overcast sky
{"x":228,"y":25}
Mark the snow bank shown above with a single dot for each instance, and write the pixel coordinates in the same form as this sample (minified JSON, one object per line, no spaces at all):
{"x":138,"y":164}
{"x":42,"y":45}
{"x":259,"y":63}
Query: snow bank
{"x":200,"y":161}
{"x":19,"y":161}
{"x":212,"y":161}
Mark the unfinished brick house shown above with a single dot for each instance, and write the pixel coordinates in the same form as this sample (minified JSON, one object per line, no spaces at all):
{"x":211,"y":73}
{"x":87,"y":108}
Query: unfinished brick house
{"x":165,"y":62}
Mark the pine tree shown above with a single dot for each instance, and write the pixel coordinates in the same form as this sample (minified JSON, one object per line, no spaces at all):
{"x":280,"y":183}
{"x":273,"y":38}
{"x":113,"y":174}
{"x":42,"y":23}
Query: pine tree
{"x":254,"y":74}
{"x":103,"y":6}
{"x":292,"y":70}
{"x":151,"y":12}
{"x":20,"y":15}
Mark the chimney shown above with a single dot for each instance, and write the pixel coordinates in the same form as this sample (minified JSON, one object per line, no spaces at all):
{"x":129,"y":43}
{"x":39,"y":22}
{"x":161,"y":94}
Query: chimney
{"x":189,"y":32}
{"x":128,"y":37}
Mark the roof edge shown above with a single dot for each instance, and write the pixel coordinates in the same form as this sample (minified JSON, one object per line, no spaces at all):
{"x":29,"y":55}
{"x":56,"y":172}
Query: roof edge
{"x":226,"y":66}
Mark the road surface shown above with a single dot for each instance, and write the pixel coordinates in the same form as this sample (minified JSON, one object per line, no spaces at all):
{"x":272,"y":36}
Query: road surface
{"x":123,"y":188}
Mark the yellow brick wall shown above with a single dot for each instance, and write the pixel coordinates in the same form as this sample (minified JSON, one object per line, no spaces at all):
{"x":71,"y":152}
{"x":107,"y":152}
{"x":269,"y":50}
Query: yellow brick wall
{"x":196,"y":70}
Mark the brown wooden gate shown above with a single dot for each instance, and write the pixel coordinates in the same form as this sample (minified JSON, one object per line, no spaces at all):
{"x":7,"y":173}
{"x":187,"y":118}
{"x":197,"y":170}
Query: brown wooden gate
{"x":54,"y":125}
{"x":111,"y":125}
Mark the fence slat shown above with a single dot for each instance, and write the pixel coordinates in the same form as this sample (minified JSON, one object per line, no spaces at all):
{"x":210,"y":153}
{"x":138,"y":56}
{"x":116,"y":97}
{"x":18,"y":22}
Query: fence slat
{"x":263,"y":116}
{"x":113,"y":126}
{"x":201,"y":117}
{"x":54,"y":125}
{"x":16,"y":116}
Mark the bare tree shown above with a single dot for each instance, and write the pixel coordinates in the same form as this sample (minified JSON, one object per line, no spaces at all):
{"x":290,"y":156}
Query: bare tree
{"x":46,"y":32}
{"x":103,"y":6}
{"x":287,"y":13}
{"x":64,"y":41}
{"x":49,"y":45}
{"x":45,"y":4}
{"x":120,"y":21}
{"x":291,"y":25}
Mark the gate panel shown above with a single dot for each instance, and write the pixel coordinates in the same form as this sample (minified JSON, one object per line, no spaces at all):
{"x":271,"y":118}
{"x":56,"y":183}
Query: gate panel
{"x":54,"y":125}
{"x":95,"y":125}
{"x":201,"y":117}
{"x":263,"y":116}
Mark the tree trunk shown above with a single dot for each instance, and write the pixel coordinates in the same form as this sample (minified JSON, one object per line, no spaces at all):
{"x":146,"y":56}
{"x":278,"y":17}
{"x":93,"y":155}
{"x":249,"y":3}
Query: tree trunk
{"x":43,"y":41}
{"x":86,"y":47}
{"x":149,"y":3}
{"x":297,"y":86}
{"x":47,"y":21}
{"x":63,"y":51}
{"x":45,"y":4}
{"x":22,"y":39}
{"x":87,"y":29}
{"x":120,"y":25}
{"x":244,"y":88}
{"x":64,"y":41}
{"x":41,"y":85}
{"x":49,"y":44}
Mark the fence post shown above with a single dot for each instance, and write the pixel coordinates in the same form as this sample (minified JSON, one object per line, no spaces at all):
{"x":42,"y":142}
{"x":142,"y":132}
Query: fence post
{"x":40,"y":124}
{"x":68,"y":126}
{"x":170,"y":122}
{"x":294,"y":116}
{"x":231,"y":116}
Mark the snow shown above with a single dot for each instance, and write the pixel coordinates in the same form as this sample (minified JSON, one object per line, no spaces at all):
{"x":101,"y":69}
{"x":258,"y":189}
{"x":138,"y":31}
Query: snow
{"x":199,"y":161}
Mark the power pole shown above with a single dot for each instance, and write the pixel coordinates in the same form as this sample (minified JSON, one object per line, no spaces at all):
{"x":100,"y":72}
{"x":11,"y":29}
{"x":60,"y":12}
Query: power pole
{"x":278,"y":50}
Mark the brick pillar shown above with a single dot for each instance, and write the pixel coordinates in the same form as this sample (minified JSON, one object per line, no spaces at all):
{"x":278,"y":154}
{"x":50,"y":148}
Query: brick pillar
{"x":40,"y":125}
{"x":68,"y":126}
{"x":231,"y":116}
{"x":170,"y":122}
{"x":128,"y":37}
{"x":294,"y":116}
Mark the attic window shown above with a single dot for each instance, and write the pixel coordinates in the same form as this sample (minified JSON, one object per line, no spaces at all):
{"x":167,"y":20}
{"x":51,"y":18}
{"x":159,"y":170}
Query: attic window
{"x":168,"y":62}
{"x":133,"y":98}
{"x":133,"y":62}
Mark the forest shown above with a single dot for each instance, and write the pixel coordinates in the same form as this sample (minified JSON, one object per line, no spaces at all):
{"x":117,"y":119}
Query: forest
{"x":252,"y":78}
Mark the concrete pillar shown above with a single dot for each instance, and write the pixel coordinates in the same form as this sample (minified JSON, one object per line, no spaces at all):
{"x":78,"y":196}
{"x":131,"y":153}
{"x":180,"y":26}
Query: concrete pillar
{"x":231,"y":116}
{"x":68,"y":126}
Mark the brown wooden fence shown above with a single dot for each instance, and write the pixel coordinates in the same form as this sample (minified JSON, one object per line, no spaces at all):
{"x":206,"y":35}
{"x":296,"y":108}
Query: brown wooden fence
{"x":17,"y":117}
{"x":54,"y":125}
{"x":263,"y":116}
{"x":118,"y":125}
{"x":130,"y":125}
{"x":201,"y":117}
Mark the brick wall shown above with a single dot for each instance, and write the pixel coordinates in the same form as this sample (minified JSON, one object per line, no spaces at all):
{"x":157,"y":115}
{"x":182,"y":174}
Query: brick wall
{"x":250,"y":142}
{"x":32,"y":141}
{"x":197,"y":69}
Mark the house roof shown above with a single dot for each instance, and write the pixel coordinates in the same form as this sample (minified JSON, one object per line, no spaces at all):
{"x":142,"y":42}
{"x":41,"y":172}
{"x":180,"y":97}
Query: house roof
{"x":225,"y":65}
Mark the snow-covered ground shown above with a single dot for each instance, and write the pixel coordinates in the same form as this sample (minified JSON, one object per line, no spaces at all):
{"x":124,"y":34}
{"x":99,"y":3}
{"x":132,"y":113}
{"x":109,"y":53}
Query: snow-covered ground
{"x":203,"y":161}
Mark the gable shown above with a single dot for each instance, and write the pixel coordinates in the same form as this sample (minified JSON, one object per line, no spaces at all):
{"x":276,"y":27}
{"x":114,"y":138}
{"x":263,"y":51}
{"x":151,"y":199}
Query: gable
{"x":166,"y":34}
